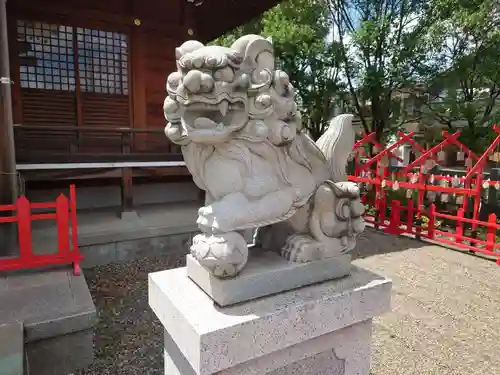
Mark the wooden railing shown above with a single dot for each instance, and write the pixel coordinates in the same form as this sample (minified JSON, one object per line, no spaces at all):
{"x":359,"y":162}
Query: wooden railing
{"x":51,"y":144}
{"x":77,"y":149}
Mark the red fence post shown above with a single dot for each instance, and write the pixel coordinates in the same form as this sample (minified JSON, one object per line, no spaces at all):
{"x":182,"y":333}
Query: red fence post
{"x":409,"y":223}
{"x":459,"y":229}
{"x":24,"y":229}
{"x":395,"y":219}
{"x":491,"y":234}
{"x":381,"y":213}
{"x":62,"y":218}
{"x":477,"y":199}
{"x":421,"y":191}
{"x":431,"y":222}
{"x":396,"y":216}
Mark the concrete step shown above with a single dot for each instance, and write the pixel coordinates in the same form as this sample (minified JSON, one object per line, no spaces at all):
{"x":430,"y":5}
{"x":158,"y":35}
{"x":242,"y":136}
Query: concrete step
{"x":56,"y":316}
{"x":12,"y":348}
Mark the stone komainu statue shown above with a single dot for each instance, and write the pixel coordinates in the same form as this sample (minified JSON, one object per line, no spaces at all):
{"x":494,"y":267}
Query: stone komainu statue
{"x":235,"y":116}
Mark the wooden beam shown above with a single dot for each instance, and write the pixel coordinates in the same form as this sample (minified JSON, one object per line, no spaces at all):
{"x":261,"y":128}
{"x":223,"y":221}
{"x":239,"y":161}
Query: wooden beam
{"x":189,"y":22}
{"x":8,"y":176}
{"x":238,"y":13}
{"x":84,"y":16}
{"x":137,"y":88}
{"x":97,"y":165}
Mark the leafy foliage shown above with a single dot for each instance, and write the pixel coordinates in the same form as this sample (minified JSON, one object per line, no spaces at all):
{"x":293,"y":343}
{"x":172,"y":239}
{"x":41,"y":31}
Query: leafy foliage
{"x":389,"y":62}
{"x":466,"y":47}
{"x":383,"y":47}
{"x":299,"y":30}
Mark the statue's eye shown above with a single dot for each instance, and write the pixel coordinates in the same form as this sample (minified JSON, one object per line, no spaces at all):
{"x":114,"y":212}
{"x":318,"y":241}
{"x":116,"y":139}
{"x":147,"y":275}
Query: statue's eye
{"x":225,"y":74}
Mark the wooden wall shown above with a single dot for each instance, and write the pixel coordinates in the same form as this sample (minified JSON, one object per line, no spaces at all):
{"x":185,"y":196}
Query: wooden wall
{"x":154,"y":28}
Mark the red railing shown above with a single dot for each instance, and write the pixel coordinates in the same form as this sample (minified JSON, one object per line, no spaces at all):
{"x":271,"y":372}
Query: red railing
{"x":392,"y":216}
{"x":67,"y":233}
{"x":414,"y":225}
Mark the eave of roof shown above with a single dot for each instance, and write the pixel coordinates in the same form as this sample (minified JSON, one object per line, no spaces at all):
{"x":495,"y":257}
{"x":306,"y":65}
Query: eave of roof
{"x":213,"y":18}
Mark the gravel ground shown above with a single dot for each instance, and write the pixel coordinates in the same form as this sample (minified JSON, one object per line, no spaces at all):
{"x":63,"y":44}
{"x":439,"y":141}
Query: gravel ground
{"x":446,"y":306}
{"x":129,"y":337}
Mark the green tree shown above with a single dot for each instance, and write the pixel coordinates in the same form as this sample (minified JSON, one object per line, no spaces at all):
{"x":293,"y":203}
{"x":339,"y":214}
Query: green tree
{"x":299,"y":30}
{"x":383,"y":49}
{"x":465,"y":88}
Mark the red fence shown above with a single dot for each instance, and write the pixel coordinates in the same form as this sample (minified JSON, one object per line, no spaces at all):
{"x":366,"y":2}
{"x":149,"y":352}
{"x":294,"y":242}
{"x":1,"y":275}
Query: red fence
{"x":67,"y":233}
{"x":415,"y":212}
{"x":395,"y":218}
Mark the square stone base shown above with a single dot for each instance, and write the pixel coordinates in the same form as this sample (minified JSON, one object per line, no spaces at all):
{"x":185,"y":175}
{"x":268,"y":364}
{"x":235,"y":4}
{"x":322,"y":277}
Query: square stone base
{"x":343,"y":352}
{"x":266,"y":273}
{"x":321,"y":329}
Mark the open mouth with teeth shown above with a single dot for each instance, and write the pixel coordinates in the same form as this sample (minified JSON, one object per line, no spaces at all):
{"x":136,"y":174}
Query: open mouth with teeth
{"x":211,"y":120}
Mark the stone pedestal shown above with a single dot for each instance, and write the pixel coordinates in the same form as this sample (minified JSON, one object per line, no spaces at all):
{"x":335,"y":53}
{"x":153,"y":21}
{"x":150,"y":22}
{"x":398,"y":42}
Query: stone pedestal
{"x":266,"y":273}
{"x":318,"y":329}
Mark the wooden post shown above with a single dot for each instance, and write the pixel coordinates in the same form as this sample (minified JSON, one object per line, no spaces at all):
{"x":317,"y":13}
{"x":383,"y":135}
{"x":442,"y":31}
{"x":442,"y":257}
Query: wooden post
{"x":74,"y":231}
{"x":8,"y":176}
{"x":202,"y":195}
{"x":127,"y":196}
{"x":189,"y":20}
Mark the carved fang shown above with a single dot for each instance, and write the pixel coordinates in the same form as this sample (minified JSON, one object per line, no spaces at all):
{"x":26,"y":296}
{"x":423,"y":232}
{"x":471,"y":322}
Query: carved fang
{"x":223,"y":107}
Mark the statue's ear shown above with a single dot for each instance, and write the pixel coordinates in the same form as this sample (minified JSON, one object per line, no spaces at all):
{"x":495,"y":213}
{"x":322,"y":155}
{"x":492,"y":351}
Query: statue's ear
{"x":257,"y":51}
{"x":261,"y":52}
{"x":187,"y":47}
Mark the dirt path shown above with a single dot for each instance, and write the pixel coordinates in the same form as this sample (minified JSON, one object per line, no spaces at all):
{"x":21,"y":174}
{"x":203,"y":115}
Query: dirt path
{"x":446,"y":309}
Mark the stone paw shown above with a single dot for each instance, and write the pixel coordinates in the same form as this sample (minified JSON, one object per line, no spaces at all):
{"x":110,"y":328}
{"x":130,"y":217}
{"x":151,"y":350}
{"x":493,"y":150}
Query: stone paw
{"x":223,"y":255}
{"x":224,"y":215}
{"x":301,"y":248}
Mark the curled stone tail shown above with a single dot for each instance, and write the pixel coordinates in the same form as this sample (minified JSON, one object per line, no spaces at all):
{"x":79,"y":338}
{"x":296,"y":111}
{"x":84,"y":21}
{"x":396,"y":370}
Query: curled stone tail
{"x":336,"y":144}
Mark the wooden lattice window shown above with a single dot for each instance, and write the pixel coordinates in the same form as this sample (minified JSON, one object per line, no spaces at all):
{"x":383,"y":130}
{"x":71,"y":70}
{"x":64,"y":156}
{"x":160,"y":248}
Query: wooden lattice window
{"x":46,"y":56}
{"x":102,"y":61}
{"x":48,"y":52}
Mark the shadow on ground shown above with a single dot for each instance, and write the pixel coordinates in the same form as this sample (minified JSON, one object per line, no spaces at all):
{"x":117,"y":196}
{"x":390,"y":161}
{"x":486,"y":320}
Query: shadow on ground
{"x":372,"y":242}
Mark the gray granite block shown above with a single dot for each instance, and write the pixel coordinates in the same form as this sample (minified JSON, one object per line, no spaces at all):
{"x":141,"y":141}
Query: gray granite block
{"x":60,"y":355}
{"x":280,"y":329}
{"x":343,"y":352}
{"x":49,"y":303}
{"x":11,"y":348}
{"x":266,"y":273}
{"x":58,"y":315}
